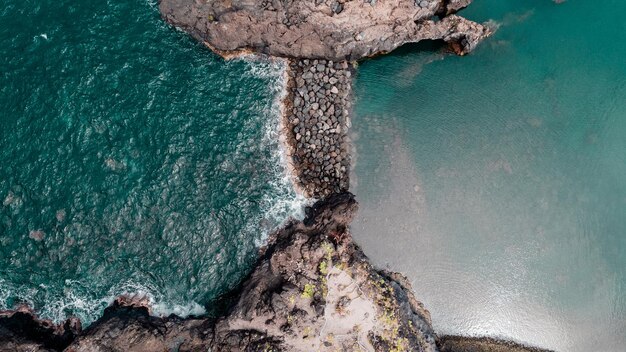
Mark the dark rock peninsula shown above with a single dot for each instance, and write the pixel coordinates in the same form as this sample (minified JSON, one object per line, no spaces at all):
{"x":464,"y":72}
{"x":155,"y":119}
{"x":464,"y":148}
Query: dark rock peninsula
{"x":323,"y":29}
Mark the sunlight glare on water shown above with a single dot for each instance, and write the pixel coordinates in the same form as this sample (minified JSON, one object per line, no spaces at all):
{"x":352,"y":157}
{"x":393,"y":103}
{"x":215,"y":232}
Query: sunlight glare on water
{"x":497,"y":181}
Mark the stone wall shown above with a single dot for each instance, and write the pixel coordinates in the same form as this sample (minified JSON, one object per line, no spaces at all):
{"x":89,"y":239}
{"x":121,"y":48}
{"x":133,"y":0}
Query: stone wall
{"x":317,"y":108}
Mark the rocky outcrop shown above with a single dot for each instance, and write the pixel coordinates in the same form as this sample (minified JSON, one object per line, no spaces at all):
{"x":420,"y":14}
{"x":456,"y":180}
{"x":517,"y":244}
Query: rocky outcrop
{"x":313,"y":289}
{"x":126,"y":326}
{"x":21,"y":330}
{"x":317,"y":108}
{"x":323,"y":29}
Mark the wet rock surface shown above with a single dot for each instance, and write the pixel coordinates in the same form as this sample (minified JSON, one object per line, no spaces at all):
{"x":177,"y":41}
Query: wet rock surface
{"x":317,"y":108}
{"x":323,"y":29}
{"x":21,"y":330}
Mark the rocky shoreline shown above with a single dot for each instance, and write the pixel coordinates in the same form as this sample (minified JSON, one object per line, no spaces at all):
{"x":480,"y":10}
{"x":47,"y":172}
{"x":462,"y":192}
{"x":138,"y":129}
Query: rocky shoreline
{"x":313,"y":289}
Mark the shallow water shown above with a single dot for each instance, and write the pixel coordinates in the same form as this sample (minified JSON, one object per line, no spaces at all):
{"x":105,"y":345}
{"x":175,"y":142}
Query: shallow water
{"x":133,"y":160}
{"x":497,"y":181}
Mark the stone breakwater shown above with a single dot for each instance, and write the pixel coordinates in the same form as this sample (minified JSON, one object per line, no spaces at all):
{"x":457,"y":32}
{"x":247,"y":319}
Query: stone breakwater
{"x":317,"y":108}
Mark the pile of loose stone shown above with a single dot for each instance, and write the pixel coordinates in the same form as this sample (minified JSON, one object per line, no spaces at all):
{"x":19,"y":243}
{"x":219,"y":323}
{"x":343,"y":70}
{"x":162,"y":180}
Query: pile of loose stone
{"x":317,"y":108}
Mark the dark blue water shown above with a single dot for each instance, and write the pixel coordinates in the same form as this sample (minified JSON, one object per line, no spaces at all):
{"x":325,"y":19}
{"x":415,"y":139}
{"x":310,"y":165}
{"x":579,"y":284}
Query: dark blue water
{"x":131,"y":160}
{"x":499,"y":179}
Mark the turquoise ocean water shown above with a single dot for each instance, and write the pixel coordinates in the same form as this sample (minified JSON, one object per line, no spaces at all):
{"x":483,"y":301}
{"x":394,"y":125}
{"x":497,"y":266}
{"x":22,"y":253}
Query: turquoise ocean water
{"x":497,"y":181}
{"x":132,"y":160}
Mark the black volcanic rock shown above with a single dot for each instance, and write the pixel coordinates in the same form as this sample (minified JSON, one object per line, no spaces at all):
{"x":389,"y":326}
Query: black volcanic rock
{"x":20,"y":330}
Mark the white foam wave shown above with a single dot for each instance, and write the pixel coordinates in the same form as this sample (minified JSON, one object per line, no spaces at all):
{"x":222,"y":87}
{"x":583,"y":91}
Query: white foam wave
{"x":278,"y":207}
{"x":287,"y":203}
{"x":181,"y":310}
{"x":5,"y":293}
{"x":77,"y":301}
{"x":159,"y":304}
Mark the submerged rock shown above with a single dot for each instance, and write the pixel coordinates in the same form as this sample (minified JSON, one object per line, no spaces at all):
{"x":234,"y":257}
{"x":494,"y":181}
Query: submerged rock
{"x":333,"y":30}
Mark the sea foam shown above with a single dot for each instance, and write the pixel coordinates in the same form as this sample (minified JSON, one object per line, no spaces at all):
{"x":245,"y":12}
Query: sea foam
{"x":84,"y":300}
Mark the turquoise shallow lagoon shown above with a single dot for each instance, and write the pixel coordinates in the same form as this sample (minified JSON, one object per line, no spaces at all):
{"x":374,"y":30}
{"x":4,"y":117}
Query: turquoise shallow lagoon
{"x":132,"y":160}
{"x":497,"y":181}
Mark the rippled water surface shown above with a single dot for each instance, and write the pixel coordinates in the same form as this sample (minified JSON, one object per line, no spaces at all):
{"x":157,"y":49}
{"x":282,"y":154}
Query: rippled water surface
{"x":497,"y":181}
{"x":131,"y":160}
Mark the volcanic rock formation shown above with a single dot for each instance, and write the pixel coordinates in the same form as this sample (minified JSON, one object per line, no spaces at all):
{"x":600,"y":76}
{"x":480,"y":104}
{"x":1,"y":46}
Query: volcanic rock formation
{"x":323,"y":29}
{"x":312,"y":289}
